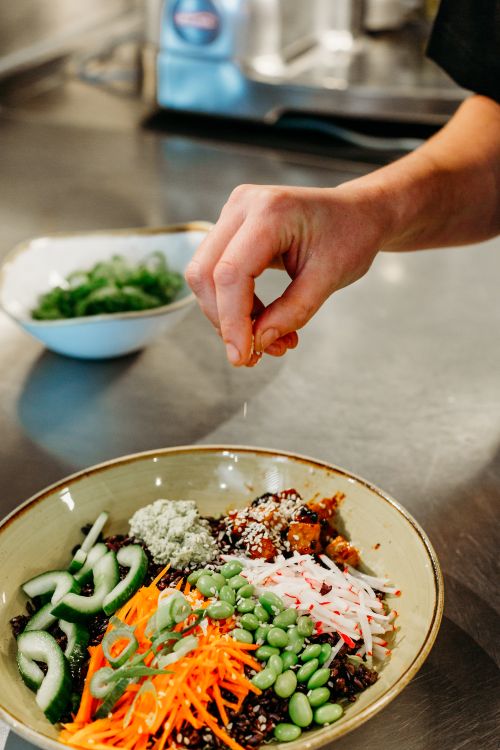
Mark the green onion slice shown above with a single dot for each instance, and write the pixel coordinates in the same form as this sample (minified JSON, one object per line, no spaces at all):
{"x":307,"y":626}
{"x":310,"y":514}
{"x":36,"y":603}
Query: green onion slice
{"x":128,"y":650}
{"x":146,"y":687}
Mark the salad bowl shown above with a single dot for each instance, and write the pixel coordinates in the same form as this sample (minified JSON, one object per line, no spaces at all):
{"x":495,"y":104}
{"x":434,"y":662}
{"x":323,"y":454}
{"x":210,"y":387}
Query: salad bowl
{"x":37,"y":535}
{"x":36,"y":266}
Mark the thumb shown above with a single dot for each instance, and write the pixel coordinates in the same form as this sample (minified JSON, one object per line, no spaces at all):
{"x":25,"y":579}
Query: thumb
{"x":296,"y":306}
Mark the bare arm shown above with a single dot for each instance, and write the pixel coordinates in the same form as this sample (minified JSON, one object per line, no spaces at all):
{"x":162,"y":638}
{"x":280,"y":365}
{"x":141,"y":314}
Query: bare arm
{"x":448,"y":191}
{"x":445,"y":193}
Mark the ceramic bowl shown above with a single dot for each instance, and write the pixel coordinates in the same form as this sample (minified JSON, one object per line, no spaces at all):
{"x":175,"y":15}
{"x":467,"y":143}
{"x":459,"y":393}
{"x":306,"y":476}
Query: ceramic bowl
{"x":36,"y":266}
{"x":39,"y":535}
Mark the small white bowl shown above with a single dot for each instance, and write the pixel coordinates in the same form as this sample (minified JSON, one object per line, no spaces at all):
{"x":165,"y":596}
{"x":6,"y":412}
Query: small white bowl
{"x":34,"y":267}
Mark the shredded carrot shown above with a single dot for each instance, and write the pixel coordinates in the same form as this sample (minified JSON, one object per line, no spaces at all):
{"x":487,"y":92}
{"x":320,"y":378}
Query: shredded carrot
{"x":85,"y":709}
{"x":179,"y":698}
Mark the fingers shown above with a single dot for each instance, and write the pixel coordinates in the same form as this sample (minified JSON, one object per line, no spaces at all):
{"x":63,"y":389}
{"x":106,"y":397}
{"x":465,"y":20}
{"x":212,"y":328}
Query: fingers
{"x":200,"y":271}
{"x":246,"y":256}
{"x":248,"y":237}
{"x":234,"y":294}
{"x":294,"y":308}
{"x":280,"y":347}
{"x":283,"y":344}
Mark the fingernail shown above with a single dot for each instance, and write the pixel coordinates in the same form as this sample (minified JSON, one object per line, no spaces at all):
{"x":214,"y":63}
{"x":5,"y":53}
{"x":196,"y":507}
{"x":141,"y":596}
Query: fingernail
{"x":233,"y":354}
{"x":267,"y":338}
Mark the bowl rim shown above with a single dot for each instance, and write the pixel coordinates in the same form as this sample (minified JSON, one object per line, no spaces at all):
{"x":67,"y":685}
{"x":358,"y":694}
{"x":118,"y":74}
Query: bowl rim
{"x":318,"y":738}
{"x":24,"y":246}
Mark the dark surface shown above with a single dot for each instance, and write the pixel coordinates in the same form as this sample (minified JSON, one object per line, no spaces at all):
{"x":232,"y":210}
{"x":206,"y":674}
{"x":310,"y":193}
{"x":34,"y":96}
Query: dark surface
{"x":396,"y":379}
{"x":465,"y":41}
{"x":294,"y":133}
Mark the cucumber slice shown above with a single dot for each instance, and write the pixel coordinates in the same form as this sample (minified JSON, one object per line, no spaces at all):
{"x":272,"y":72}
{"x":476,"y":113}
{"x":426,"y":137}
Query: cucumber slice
{"x":77,"y":608}
{"x":94,"y":532}
{"x":78,"y":640}
{"x":85,"y":573}
{"x":78,"y":561}
{"x":134,"y":558}
{"x":54,"y":692}
{"x":55,"y":582}
{"x":30,"y":672}
{"x":43,"y":619}
{"x":89,"y":543}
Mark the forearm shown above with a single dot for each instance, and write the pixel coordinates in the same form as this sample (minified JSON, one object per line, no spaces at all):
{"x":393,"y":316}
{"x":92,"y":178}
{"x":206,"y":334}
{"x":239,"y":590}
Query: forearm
{"x":448,"y":191}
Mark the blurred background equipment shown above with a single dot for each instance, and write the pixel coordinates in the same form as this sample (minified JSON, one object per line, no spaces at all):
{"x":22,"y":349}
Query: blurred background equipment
{"x":287,"y":72}
{"x":262,"y":59}
{"x":33,"y":32}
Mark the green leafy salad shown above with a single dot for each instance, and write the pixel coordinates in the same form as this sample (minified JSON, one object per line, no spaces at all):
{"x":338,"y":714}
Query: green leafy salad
{"x":110,"y":287}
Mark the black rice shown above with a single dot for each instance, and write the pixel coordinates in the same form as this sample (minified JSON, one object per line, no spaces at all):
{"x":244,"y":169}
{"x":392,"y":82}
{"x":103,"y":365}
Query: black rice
{"x":259,"y":715}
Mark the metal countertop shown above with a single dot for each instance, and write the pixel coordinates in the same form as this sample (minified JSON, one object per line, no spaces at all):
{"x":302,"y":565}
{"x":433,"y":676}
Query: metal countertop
{"x":396,"y":379}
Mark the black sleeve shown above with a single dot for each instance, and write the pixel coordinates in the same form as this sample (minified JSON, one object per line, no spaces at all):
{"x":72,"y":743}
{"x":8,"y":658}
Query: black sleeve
{"x":465,"y":42}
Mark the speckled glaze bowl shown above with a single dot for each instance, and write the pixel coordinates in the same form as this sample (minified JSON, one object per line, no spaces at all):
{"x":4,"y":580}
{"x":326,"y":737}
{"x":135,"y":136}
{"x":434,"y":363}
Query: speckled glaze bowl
{"x":40,"y":533}
{"x":38,"y":265}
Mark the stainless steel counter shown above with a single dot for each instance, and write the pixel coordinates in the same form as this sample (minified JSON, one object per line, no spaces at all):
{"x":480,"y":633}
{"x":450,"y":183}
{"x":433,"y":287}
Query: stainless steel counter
{"x":397,"y":379}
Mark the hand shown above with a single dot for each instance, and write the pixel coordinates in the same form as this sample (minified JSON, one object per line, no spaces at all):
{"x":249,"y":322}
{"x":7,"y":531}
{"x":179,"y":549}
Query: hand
{"x":326,"y":239}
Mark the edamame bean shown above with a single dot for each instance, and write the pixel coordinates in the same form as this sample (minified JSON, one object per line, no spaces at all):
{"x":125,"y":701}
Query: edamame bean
{"x":263,"y":680}
{"x":286,"y":684}
{"x":220,"y":610}
{"x":265,"y":652}
{"x":287,"y":732}
{"x":218,"y":580}
{"x":231,"y":568}
{"x":286,"y":618}
{"x":227,"y":594}
{"x":305,"y":626}
{"x":245,"y":605}
{"x":299,"y":710}
{"x":328,"y":713}
{"x":311,"y":652}
{"x":318,"y":696}
{"x":272,"y":603}
{"x":249,"y":622}
{"x":246,"y":591}
{"x":318,"y":679}
{"x":193,"y":577}
{"x":206,"y":586}
{"x":261,"y":632}
{"x":289,"y":659}
{"x":261,"y":613}
{"x":205,"y":571}
{"x":325,"y":654}
{"x":277,"y":637}
{"x":295,"y":641}
{"x":274,"y":662}
{"x":307,"y":670}
{"x":243,"y":636}
{"x":236,"y":582}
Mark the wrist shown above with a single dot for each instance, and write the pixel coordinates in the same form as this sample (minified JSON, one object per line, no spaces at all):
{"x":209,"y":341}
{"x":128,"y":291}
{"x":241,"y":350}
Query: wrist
{"x":375,"y":203}
{"x":407,"y":195}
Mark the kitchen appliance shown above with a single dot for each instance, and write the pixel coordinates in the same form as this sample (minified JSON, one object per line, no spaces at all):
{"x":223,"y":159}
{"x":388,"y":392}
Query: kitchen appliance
{"x":261,"y":59}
